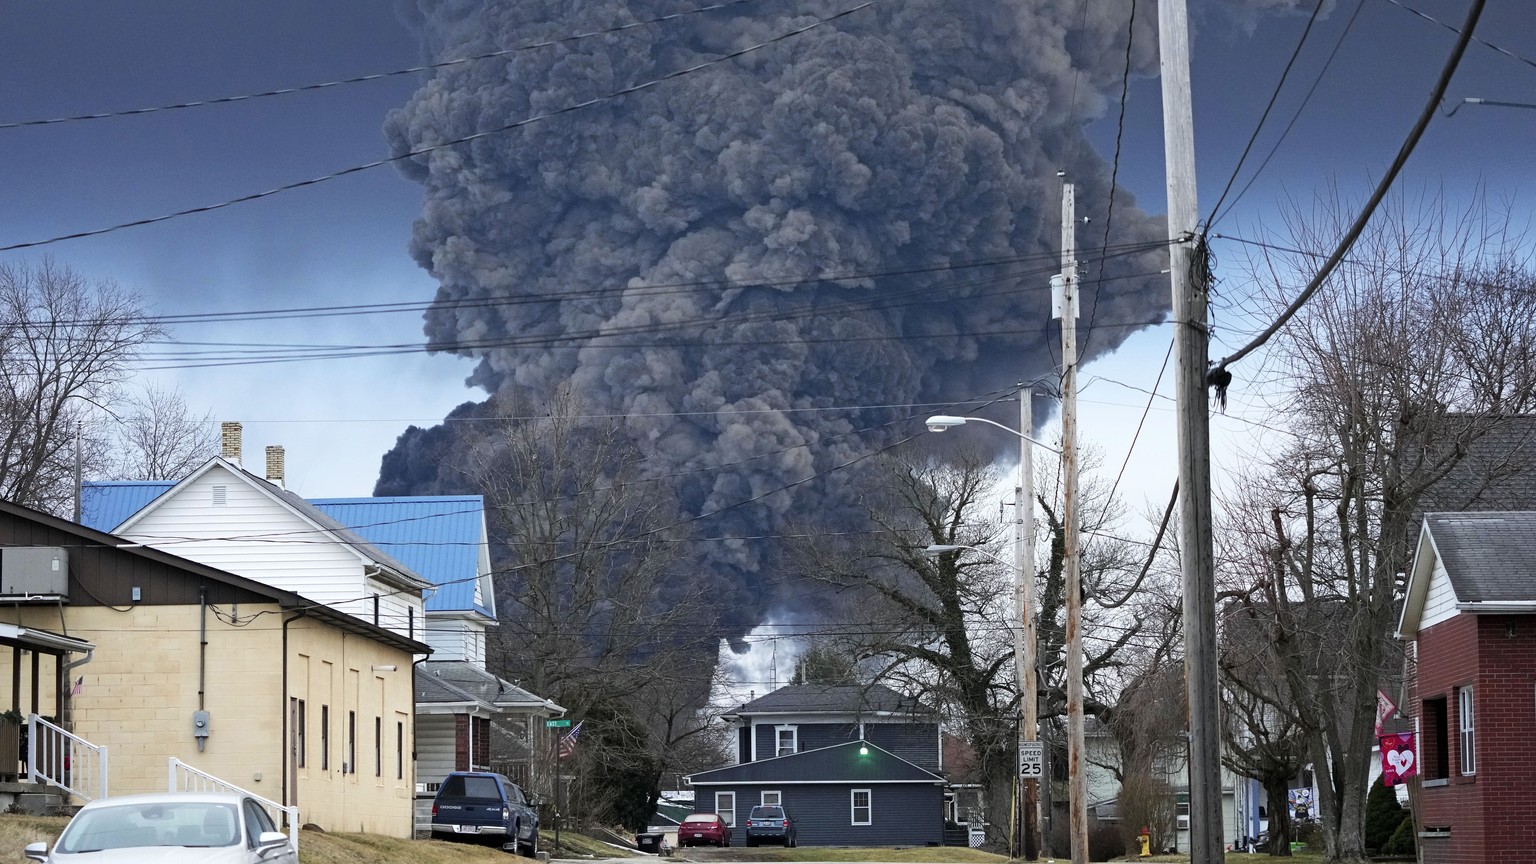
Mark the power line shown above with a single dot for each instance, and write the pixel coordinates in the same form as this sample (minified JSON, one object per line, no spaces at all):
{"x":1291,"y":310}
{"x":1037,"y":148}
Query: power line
{"x":377,"y":76}
{"x":1274,"y":96}
{"x":1355,"y":229}
{"x":617,"y":289}
{"x":1485,"y":43}
{"x":561,"y":343}
{"x":1114,"y":173}
{"x":421,"y":151}
{"x":1295,"y":116}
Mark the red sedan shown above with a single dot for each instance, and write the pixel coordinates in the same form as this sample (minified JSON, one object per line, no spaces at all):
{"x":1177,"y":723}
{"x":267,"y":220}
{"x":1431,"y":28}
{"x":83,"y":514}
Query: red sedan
{"x":704,"y":828}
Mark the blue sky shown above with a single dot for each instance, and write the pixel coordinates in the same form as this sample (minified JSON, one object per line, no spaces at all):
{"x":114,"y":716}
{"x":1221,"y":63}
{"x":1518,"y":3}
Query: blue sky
{"x":345,"y":242}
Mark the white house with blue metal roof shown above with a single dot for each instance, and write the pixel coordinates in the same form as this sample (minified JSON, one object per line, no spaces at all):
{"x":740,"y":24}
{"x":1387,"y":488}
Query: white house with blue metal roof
{"x":437,"y":544}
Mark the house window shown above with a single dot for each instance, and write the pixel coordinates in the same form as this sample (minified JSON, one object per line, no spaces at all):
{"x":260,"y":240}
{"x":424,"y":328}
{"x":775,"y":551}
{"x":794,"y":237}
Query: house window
{"x":299,"y":725}
{"x":400,"y":750}
{"x":378,"y":746}
{"x":725,"y":807}
{"x":788,"y":738}
{"x":325,"y":737}
{"x":863,"y":808}
{"x":1464,"y":733}
{"x":772,"y":799}
{"x":1181,"y":815}
{"x":1437,"y":741}
{"x":351,"y":760}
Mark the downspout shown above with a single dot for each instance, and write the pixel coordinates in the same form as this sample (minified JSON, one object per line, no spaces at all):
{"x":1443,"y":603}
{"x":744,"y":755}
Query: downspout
{"x":202,"y":645}
{"x":414,"y":664}
{"x":283,"y":703}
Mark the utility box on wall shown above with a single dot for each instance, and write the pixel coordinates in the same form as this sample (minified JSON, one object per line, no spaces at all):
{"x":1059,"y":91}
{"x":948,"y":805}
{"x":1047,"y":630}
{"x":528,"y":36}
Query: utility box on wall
{"x":34,"y":573}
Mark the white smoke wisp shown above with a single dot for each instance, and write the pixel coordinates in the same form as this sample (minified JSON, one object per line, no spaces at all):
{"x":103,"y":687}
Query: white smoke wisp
{"x":913,"y":135}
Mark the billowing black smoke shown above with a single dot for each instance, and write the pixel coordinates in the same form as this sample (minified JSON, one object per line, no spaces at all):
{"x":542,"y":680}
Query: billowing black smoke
{"x":795,"y":229}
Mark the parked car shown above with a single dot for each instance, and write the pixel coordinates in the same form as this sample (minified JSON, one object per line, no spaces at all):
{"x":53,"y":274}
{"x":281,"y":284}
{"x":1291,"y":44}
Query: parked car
{"x":770,"y":823}
{"x":703,"y":829}
{"x":486,"y":808}
{"x":225,"y":828}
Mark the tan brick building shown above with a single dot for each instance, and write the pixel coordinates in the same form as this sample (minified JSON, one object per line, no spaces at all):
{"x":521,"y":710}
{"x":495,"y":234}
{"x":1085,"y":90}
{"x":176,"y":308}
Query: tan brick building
{"x":305,"y":704}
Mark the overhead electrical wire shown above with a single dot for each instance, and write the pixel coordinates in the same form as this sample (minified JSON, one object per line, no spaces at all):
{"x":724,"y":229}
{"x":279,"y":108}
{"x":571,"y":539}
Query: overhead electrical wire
{"x":616,"y":290}
{"x":421,"y":151}
{"x":1485,"y":43}
{"x":1355,"y":229}
{"x":1114,"y":172}
{"x":1274,"y":96}
{"x":1295,"y":116}
{"x":377,"y":76}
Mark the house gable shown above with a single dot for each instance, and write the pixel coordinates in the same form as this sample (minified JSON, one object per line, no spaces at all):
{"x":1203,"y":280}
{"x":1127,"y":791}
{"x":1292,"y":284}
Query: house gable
{"x":226,"y":518}
{"x":1470,"y":562}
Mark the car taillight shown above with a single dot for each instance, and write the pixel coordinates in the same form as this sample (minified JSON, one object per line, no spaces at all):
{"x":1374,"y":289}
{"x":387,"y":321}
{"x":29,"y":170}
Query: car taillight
{"x":434,"y":808}
{"x":785,"y":823}
{"x":505,"y":814}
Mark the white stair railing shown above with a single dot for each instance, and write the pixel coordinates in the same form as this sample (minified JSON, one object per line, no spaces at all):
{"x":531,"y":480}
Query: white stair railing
{"x":61,"y":758}
{"x":184,"y":778}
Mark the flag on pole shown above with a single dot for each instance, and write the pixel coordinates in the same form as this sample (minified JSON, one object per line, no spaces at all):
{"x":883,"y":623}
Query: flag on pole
{"x":1398,"y":760}
{"x":568,"y":743}
{"x":78,"y":687}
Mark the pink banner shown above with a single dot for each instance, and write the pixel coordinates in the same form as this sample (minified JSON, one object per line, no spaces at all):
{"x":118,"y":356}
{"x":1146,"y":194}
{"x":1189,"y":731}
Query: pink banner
{"x":1398,"y":759}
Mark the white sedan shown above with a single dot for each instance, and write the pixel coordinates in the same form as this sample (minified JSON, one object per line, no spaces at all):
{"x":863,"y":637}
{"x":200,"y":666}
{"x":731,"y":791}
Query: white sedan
{"x":170,"y":828}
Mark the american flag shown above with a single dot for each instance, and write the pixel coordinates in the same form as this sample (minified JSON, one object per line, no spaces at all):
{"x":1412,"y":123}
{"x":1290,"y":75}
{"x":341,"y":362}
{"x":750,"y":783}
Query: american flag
{"x":568,"y":743}
{"x":78,"y":687}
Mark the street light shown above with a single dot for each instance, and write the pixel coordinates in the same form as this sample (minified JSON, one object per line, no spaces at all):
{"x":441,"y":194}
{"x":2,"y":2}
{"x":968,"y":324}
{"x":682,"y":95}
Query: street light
{"x":941,"y":422}
{"x":1024,"y":638}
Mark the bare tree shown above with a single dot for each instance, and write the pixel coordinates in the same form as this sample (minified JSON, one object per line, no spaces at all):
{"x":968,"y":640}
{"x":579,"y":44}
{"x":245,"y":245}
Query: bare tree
{"x":596,"y":608}
{"x":65,"y":345}
{"x":159,"y":438}
{"x":942,"y":626}
{"x":1379,"y":409}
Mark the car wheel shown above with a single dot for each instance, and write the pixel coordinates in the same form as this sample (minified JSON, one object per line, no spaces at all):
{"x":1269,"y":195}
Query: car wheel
{"x":529,"y":848}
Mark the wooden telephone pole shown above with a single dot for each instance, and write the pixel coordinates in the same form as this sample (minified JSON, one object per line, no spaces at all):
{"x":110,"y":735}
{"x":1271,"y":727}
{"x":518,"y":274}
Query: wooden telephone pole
{"x":1191,"y":337}
{"x":1067,"y":306}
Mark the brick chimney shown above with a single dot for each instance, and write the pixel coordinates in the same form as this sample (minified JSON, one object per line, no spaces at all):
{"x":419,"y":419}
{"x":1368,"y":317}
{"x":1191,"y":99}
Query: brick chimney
{"x":275,"y":473}
{"x":229,"y":441}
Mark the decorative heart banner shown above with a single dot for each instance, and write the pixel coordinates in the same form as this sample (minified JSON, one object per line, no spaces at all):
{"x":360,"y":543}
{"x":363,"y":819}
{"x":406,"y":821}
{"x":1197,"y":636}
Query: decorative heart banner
{"x":1398,"y":759}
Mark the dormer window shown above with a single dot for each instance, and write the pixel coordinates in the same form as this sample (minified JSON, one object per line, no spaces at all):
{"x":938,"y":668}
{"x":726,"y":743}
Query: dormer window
{"x":788,"y":740}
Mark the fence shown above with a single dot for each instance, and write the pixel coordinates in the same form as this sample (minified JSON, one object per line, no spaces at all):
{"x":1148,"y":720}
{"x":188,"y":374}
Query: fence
{"x":64,"y":759}
{"x":185,"y":778}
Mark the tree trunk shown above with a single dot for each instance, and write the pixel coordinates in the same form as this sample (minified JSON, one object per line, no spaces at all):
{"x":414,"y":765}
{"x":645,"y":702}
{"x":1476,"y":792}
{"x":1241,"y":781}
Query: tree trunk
{"x":1276,"y":790}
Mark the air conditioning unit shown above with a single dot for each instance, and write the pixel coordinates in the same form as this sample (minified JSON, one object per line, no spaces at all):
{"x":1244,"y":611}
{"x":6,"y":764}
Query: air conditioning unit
{"x":34,"y":573}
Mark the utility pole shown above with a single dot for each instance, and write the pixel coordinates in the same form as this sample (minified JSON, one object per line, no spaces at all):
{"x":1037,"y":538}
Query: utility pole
{"x":1067,"y":306}
{"x":1191,"y":339}
{"x":1024,"y":635}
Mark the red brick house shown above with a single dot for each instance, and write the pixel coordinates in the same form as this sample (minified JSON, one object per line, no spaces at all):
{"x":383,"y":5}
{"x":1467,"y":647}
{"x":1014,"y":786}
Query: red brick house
{"x":1470,"y":612}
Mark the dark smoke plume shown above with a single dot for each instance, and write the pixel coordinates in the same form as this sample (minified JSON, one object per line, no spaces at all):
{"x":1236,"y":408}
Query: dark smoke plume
{"x":911,"y":136}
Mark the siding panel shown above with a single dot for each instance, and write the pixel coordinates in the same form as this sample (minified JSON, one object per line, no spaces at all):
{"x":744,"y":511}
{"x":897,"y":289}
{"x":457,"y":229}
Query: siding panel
{"x":902,"y":814}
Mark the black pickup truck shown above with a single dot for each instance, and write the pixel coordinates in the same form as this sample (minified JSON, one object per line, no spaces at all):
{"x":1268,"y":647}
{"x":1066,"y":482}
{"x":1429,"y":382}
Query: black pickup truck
{"x":488,"y":808}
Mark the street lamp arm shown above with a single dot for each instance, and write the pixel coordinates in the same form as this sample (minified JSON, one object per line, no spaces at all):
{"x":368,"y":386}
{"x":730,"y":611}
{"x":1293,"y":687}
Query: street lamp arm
{"x":940,"y":422}
{"x":937,"y":549}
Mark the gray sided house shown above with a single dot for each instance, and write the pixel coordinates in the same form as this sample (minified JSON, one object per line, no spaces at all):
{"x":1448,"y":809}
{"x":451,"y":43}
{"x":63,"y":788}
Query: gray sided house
{"x":853,"y":765}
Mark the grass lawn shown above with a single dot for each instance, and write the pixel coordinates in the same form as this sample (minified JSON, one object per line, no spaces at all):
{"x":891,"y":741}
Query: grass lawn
{"x":934,"y":854}
{"x":316,"y":848}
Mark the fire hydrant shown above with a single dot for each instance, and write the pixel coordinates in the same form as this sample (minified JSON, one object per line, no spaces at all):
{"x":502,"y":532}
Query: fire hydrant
{"x":1145,"y":840}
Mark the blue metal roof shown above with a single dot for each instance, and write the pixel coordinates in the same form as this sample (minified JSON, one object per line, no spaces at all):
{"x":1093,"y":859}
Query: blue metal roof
{"x":438,"y":537}
{"x":106,"y":505}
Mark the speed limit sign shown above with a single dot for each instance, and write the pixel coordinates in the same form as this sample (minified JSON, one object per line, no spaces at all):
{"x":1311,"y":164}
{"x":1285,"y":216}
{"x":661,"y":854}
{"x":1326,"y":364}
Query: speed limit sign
{"x":1031,"y":759}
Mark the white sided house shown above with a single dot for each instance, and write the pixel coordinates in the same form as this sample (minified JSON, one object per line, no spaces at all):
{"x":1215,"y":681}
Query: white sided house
{"x":225,"y":517}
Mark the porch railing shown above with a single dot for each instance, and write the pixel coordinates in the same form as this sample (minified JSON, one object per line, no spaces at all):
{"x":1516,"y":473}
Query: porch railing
{"x":184,"y":778}
{"x":61,"y":758}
